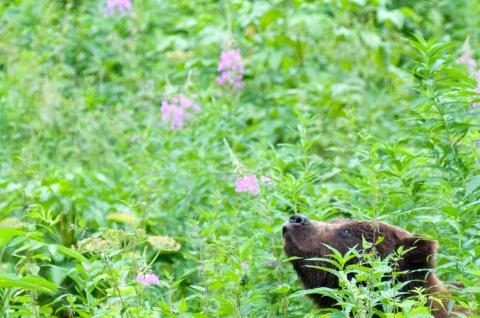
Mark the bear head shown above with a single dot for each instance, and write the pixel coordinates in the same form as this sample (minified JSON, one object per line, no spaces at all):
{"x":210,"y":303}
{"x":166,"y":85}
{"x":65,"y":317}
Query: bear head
{"x":305,"y":239}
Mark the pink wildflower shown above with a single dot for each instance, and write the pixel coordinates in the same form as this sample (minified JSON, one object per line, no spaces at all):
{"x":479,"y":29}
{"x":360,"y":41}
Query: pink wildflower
{"x":176,"y":109}
{"x":120,"y":6}
{"x":245,"y":264}
{"x":468,"y":61}
{"x":247,"y":184}
{"x":467,"y":57}
{"x":148,"y":279}
{"x":231,"y":69}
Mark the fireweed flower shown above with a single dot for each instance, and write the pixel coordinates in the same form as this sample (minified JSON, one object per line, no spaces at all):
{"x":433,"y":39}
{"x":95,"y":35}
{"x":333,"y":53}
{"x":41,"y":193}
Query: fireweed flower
{"x":250,"y":184}
{"x":120,"y":6}
{"x":247,"y":184}
{"x":467,"y":57}
{"x":231,"y":69}
{"x":468,"y":61}
{"x":177,"y":110}
{"x":148,"y":279}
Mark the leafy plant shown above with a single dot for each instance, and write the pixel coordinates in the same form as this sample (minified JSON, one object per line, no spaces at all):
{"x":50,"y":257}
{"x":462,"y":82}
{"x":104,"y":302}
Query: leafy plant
{"x":369,"y":288}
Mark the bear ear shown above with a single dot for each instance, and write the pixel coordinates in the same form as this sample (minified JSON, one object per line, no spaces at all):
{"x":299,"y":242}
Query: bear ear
{"x":419,"y":253}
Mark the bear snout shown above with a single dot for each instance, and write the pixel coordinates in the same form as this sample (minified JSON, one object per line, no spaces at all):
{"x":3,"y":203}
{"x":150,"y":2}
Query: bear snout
{"x":289,"y":227}
{"x":299,"y":219}
{"x":296,"y":220}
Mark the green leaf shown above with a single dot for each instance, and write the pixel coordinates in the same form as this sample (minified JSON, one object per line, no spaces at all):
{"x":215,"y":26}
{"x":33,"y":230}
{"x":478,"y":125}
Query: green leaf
{"x":421,"y":312}
{"x":53,"y":248}
{"x":30,"y":283}
{"x":282,"y":289}
{"x":472,"y":185}
{"x":126,"y":290}
{"x":317,"y":291}
{"x":371,"y":39}
{"x":6,"y":234}
{"x":182,"y":305}
{"x":395,"y":17}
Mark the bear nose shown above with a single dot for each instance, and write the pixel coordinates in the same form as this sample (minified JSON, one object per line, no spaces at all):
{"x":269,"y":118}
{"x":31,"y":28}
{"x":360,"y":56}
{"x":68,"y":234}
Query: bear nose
{"x":298,"y":219}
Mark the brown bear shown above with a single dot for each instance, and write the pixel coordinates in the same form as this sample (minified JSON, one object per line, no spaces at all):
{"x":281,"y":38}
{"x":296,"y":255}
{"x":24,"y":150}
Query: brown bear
{"x":305,"y":239}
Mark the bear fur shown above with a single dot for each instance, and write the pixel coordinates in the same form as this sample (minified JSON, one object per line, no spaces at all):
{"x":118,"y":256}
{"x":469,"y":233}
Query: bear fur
{"x":306,"y":239}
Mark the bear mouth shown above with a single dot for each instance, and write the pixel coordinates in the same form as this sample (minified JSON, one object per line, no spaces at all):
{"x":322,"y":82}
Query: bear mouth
{"x":289,"y":246}
{"x":293,"y":249}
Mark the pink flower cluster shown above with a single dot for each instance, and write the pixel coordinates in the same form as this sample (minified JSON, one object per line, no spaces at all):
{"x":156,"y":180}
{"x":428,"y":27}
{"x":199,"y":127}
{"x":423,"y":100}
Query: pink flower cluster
{"x":247,"y":184}
{"x":120,"y":6}
{"x":148,"y":279}
{"x":231,"y":69}
{"x":176,"y":110}
{"x":467,"y":59}
{"x":250,"y":184}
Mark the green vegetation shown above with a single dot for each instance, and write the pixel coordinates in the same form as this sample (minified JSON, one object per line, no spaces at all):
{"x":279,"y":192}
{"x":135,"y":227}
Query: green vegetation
{"x":350,"y":108}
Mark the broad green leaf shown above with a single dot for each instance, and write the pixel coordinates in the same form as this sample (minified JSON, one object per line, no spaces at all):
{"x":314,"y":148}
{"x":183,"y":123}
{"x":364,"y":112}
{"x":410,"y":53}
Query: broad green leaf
{"x":472,"y":185}
{"x":30,"y":283}
{"x":53,"y":248}
{"x":6,"y":234}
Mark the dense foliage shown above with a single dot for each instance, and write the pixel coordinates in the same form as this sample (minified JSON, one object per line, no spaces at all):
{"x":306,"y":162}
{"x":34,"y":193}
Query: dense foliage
{"x":151,"y":151}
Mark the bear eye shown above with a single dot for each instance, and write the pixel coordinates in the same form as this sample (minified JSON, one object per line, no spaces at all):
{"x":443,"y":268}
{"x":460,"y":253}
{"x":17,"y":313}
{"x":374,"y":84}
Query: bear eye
{"x":345,"y":233}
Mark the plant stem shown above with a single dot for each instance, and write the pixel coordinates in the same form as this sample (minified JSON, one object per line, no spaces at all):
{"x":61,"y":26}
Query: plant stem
{"x":115,"y":285}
